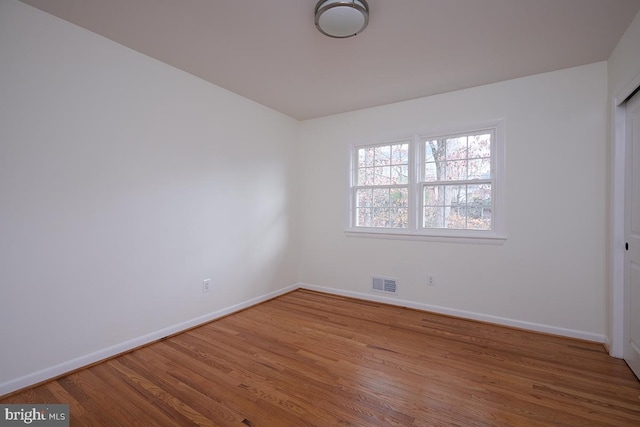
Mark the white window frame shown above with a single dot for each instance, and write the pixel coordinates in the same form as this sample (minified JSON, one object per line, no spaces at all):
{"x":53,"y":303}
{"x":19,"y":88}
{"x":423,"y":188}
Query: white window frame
{"x":497,"y":234}
{"x":353,"y":181}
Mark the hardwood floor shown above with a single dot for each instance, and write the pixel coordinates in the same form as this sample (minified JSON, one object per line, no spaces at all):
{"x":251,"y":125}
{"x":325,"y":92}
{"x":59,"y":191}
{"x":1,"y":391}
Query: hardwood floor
{"x":310,"y":359}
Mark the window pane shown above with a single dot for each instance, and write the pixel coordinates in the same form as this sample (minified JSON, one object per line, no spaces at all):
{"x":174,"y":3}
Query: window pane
{"x":456,"y":170}
{"x":364,"y":217}
{"x":433,"y":217}
{"x":455,"y":195}
{"x":430,"y":172}
{"x":479,"y":194}
{"x":400,"y":154}
{"x":382,"y":175}
{"x":445,"y":195}
{"x":480,"y":169}
{"x":480,"y":146}
{"x":361,"y":157}
{"x":365,"y":156}
{"x":399,"y":197}
{"x":380,"y":217}
{"x":399,"y":214}
{"x":456,"y":148}
{"x":365,"y":176}
{"x":482,"y":223}
{"x":433,"y":195}
{"x":479,"y":206}
{"x":380,"y":197}
{"x":383,"y":155}
{"x":434,"y":150}
{"x":456,"y":217}
{"x":362,"y":177}
{"x":364,"y":198}
{"x":399,"y":218}
{"x":455,"y":207}
{"x":400,"y":174}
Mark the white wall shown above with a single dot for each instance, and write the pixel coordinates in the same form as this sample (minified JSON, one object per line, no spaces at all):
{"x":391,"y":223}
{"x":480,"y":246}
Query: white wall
{"x":623,"y":78}
{"x":549,"y":274}
{"x":123,"y":184}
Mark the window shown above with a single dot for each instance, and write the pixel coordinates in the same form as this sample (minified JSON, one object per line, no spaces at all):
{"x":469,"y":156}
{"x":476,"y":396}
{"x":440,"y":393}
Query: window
{"x":447,"y":185}
{"x":382,"y":186}
{"x":456,"y":182}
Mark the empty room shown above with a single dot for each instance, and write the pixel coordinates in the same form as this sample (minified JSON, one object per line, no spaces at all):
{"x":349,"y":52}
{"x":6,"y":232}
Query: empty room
{"x":303,"y":212}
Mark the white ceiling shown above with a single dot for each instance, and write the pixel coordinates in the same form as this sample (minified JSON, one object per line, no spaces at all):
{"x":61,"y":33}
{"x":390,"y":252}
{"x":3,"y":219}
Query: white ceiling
{"x":270,"y":51}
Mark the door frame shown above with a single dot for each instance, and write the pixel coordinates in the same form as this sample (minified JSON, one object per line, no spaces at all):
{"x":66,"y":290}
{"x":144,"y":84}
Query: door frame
{"x":614,"y":340}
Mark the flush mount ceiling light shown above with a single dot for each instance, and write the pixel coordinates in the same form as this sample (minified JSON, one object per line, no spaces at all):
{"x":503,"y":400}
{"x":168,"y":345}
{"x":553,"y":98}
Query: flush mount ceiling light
{"x":342,"y":18}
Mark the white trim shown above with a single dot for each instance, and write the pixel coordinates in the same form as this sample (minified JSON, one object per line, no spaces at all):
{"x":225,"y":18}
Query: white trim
{"x":372,"y":233}
{"x":616,"y":273}
{"x":414,"y":177}
{"x":499,"y":201}
{"x":607,"y":344}
{"x":123,"y":347}
{"x":616,"y":268}
{"x":504,"y":321}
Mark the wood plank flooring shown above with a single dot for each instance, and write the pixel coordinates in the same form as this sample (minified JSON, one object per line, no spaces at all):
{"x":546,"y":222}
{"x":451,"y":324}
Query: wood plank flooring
{"x":311,"y":359}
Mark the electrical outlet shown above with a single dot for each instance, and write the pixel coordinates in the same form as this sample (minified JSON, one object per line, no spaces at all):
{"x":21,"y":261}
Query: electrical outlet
{"x":431,"y":280}
{"x":206,"y":285}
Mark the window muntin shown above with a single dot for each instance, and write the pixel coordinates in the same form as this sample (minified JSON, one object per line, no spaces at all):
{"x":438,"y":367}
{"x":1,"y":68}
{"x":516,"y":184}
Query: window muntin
{"x":381,"y":189}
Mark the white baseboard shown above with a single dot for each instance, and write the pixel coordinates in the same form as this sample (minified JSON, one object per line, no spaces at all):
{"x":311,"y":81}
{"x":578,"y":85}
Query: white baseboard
{"x":79,"y":362}
{"x":530,"y":326}
{"x":71,"y":365}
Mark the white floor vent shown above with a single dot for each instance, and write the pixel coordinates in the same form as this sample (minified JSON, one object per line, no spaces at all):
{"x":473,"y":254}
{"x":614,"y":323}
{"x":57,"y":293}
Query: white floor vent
{"x":384,"y":284}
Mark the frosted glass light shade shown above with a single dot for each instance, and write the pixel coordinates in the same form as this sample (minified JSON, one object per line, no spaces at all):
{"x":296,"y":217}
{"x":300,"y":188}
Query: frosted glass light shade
{"x":342,"y":18}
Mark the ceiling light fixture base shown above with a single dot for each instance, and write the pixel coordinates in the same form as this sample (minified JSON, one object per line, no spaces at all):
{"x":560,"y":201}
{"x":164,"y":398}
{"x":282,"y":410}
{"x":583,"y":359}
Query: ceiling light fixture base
{"x":342,"y":18}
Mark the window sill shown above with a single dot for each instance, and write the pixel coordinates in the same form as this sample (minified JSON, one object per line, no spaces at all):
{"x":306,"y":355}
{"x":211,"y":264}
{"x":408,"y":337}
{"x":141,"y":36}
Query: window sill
{"x":485,"y":238}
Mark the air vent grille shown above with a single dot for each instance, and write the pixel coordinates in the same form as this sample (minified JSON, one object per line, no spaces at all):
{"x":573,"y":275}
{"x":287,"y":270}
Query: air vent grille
{"x":384,"y":284}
